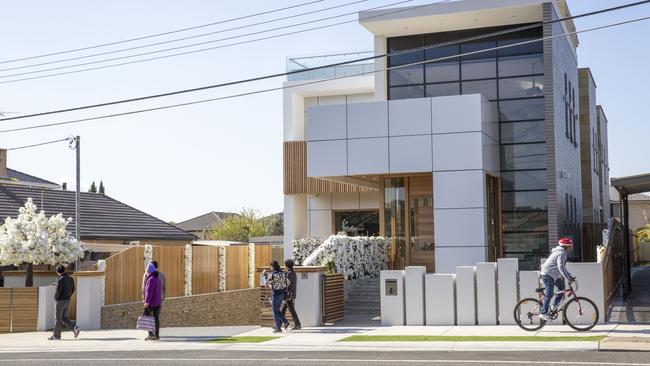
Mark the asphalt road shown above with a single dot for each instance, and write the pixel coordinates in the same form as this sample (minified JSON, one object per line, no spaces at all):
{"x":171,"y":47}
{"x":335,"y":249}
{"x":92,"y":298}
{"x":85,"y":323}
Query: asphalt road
{"x":241,"y":358}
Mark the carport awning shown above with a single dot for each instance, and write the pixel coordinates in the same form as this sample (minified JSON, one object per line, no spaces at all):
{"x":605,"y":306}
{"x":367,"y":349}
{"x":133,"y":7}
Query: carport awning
{"x":632,"y":184}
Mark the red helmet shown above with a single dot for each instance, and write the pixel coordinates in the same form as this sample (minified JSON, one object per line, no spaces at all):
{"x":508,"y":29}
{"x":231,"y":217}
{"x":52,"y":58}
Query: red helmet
{"x":565,"y":241}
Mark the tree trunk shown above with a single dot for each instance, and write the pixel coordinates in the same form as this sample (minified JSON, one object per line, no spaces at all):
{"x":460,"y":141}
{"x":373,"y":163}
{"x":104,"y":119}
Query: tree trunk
{"x":29,"y":275}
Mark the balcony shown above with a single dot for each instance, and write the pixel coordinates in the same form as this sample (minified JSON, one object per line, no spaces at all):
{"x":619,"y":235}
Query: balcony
{"x":308,"y":62}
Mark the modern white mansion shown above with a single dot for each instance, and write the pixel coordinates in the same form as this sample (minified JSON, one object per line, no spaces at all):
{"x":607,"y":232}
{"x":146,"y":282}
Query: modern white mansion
{"x":459,"y":158}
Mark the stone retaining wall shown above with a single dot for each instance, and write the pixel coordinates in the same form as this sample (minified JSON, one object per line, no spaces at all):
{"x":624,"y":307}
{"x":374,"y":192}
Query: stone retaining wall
{"x":238,"y":307}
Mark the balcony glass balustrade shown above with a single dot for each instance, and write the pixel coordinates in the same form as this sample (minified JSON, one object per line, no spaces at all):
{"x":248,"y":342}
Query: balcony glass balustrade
{"x":308,"y":62}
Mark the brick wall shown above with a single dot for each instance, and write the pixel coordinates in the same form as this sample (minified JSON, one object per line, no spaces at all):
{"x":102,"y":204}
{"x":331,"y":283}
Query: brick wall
{"x":239,"y":307}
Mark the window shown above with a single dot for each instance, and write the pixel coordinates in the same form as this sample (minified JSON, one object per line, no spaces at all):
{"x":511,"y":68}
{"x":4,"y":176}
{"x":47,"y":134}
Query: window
{"x":521,"y":87}
{"x":524,"y":201}
{"x":487,"y":88}
{"x":406,"y":92}
{"x":441,"y":90}
{"x":523,"y":180}
{"x":522,"y":132}
{"x":521,"y":65}
{"x":566,"y":206}
{"x":521,"y":110}
{"x":525,"y":156}
{"x":357,"y":223}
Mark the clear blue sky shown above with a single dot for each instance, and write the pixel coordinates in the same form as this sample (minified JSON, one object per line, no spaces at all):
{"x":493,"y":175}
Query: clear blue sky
{"x":222,"y":156}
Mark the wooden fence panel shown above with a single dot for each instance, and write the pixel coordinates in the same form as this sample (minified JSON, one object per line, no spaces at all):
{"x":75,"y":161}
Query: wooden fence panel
{"x":262,"y":259}
{"x":236,"y":267}
{"x":5,"y":309}
{"x":171,"y":261}
{"x":72,"y":306}
{"x":205,"y":269}
{"x":25,"y":309}
{"x":123,"y":276}
{"x":333,"y":306}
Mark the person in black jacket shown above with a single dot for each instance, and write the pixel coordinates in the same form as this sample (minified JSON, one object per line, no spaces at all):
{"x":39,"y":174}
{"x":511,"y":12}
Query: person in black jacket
{"x":64,"y":290}
{"x":290,"y":298}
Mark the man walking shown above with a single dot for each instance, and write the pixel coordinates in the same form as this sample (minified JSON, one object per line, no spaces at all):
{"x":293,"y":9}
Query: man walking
{"x":64,"y":290}
{"x":290,"y":298}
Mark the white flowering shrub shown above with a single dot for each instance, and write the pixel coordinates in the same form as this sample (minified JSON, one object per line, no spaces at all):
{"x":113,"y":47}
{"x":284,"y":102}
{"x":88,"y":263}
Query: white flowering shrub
{"x":148,"y":255}
{"x":251,"y":265}
{"x":353,"y":256}
{"x":34,"y":238}
{"x":303,"y":248}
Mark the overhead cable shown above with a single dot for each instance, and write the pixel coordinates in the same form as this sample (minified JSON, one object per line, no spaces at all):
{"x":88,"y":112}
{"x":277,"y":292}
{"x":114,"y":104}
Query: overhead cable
{"x":369,"y":58}
{"x":313,"y":82}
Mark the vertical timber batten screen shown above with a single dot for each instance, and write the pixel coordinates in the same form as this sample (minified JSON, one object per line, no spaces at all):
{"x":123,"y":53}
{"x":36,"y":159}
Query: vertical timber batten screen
{"x":171,"y":261}
{"x":18,"y":309}
{"x":236,"y":267}
{"x":205,"y":269}
{"x":123,"y":276}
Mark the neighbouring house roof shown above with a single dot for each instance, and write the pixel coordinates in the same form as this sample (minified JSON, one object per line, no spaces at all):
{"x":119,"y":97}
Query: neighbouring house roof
{"x":615,"y":197}
{"x":204,"y":222}
{"x":102,"y":217}
{"x":16,"y":177}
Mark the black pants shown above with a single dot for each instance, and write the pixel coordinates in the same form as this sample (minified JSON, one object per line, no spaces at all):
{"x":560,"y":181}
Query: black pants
{"x":292,"y":309}
{"x":155,"y":312}
{"x":62,"y":317}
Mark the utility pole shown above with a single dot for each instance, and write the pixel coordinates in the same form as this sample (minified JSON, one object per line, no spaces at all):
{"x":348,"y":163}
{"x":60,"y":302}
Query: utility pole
{"x":74,"y":142}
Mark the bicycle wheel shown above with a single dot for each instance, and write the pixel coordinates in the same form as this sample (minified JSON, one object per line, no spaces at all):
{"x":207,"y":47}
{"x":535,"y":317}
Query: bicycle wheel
{"x":527,"y":314}
{"x":580,"y":313}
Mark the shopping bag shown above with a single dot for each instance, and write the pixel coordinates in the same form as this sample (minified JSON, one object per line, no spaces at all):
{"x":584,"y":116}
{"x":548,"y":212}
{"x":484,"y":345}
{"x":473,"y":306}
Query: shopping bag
{"x":146,"y":322}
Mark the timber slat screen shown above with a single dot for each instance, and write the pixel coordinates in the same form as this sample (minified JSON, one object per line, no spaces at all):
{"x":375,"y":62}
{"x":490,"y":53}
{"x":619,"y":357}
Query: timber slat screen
{"x":266,"y":311}
{"x":333,"y":305}
{"x":236,"y":267}
{"x":18,"y":309}
{"x":262,"y":259}
{"x":205,"y":269}
{"x":123,"y":276}
{"x":613,"y":266}
{"x":171,"y":261}
{"x":72,"y":306}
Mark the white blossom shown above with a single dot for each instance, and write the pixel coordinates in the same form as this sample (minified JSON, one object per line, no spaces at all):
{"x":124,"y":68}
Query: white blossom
{"x":353,"y":256}
{"x":33,"y":238}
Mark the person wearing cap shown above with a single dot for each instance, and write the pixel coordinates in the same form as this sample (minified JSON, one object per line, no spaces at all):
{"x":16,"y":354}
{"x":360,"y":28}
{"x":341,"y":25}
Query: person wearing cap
{"x":554,"y":273}
{"x":64,"y":290}
{"x":153,"y":299}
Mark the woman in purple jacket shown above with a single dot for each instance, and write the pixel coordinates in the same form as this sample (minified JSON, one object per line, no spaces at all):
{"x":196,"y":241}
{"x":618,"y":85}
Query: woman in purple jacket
{"x":153,"y":299}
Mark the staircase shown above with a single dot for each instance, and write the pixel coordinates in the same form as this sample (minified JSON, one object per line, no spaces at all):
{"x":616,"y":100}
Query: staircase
{"x":363,"y":297}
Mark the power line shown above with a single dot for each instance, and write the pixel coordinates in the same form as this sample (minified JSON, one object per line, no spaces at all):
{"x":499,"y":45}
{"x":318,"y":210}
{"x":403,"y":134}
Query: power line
{"x":208,"y":48}
{"x":39,"y":144}
{"x":179,"y":39}
{"x":164,"y":33}
{"x":315,"y":81}
{"x":259,"y":78}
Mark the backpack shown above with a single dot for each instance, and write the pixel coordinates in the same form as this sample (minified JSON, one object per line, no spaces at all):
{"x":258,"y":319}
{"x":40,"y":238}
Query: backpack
{"x":279,"y":281}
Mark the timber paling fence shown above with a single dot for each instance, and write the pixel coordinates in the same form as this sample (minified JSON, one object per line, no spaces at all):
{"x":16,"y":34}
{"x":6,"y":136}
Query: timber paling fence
{"x":209,"y":271}
{"x":18,"y":309}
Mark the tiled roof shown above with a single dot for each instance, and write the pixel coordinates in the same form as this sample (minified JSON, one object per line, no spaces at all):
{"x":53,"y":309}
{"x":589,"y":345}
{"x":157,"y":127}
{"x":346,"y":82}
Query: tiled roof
{"x":102,"y":217}
{"x":204,"y":222}
{"x":24,"y":177}
{"x":615,"y":197}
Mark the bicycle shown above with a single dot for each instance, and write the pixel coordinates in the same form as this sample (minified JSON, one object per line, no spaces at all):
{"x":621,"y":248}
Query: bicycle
{"x":580,"y":313}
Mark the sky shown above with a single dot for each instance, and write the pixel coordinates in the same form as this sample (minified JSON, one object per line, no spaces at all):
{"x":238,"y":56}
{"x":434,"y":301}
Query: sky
{"x":223,"y":156}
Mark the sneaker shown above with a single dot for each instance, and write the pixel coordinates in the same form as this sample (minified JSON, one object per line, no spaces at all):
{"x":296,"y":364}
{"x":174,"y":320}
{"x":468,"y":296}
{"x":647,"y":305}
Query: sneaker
{"x":543,"y":317}
{"x":149,"y":338}
{"x":286,"y":325}
{"x":277,"y":330}
{"x":76,"y":331}
{"x":296,"y":327}
{"x":155,"y":338}
{"x":53,"y":338}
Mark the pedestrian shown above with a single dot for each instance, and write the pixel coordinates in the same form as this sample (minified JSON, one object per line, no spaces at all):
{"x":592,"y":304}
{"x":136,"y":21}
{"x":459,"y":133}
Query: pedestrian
{"x":161,"y":277}
{"x":290,"y":298}
{"x":64,"y":290}
{"x":278,"y":283}
{"x":153,"y":299}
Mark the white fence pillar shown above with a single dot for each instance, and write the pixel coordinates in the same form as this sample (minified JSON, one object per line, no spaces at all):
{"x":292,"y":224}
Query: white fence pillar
{"x":46,"y":308}
{"x":89,"y":299}
{"x":440,"y":296}
{"x":486,"y":293}
{"x":414,"y":292}
{"x":391,"y":288}
{"x":507,"y":269}
{"x":466,"y":295}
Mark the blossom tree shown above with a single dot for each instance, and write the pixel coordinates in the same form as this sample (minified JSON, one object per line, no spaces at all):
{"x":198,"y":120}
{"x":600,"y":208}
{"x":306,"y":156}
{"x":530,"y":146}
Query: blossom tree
{"x":33,"y":238}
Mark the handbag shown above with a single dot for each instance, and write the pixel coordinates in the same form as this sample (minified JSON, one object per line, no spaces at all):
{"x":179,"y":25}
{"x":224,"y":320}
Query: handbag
{"x":146,"y":322}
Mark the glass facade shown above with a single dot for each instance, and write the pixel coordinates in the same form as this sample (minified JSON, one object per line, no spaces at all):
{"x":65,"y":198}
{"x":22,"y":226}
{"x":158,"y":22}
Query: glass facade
{"x":512,"y":78}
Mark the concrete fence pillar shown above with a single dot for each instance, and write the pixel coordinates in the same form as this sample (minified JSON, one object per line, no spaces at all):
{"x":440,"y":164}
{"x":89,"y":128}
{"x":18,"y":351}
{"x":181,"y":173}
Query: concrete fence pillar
{"x":414,"y":278}
{"x":486,"y":293}
{"x":90,"y":299}
{"x":507,"y":270}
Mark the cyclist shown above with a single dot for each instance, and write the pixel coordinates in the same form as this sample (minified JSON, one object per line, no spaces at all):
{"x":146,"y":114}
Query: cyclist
{"x":553,"y":274}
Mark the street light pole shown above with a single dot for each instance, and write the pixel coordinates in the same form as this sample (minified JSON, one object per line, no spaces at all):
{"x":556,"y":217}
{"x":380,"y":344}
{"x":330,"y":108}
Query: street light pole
{"x":78,"y":190}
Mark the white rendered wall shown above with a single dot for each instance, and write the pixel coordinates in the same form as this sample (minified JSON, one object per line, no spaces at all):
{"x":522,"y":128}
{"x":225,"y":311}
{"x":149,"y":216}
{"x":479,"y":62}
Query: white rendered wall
{"x":507,"y":271}
{"x":466,"y":295}
{"x":89,"y":301}
{"x":39,"y":280}
{"x":440,"y":297}
{"x":46,"y":308}
{"x":308,"y":298}
{"x":295,"y":221}
{"x":392,"y":306}
{"x":590,"y":284}
{"x":486,"y":293}
{"x":414,"y":285}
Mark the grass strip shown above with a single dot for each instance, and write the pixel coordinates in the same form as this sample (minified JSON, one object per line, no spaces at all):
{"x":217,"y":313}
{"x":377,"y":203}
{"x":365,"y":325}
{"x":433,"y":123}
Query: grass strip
{"x":243,"y":339}
{"x":416,"y":338}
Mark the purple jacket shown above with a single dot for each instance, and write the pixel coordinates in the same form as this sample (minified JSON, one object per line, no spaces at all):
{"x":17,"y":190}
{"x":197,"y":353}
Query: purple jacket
{"x":153,"y":291}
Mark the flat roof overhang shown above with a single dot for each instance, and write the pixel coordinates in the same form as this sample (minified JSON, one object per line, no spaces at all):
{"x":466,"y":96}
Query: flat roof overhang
{"x":457,"y":15}
{"x":632,"y":184}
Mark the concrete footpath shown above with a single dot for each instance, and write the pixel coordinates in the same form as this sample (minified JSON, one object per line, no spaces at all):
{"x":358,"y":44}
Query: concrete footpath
{"x":619,"y":337}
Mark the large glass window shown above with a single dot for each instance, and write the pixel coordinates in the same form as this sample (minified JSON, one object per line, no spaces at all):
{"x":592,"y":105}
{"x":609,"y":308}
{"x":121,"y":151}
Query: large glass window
{"x":521,"y":110}
{"x":522,"y":132}
{"x":521,"y":87}
{"x":487,"y":88}
{"x":521,"y":65}
{"x":444,"y":89}
{"x":357,"y":223}
{"x":523,"y":180}
{"x":522,"y":157}
{"x":406,"y":92}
